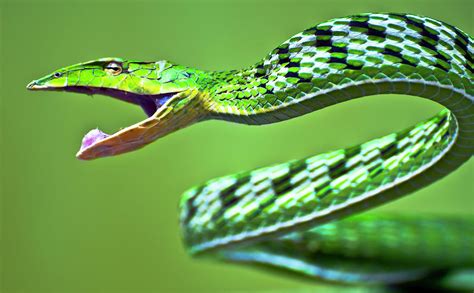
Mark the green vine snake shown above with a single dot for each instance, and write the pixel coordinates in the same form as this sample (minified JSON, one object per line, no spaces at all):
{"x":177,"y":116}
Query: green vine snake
{"x":304,"y":215}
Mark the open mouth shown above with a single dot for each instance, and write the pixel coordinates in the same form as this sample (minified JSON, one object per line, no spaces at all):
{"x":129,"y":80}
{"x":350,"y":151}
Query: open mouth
{"x":149,"y":103}
{"x":97,"y":143}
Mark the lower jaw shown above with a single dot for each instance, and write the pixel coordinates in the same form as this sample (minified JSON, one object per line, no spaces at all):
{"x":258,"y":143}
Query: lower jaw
{"x":103,"y":143}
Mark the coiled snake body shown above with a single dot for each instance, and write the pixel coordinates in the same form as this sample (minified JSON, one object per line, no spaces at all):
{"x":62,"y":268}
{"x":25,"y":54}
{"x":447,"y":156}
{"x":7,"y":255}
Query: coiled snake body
{"x":285,"y":215}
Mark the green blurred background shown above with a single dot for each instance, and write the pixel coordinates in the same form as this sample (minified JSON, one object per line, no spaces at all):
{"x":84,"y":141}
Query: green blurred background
{"x":111,"y":225}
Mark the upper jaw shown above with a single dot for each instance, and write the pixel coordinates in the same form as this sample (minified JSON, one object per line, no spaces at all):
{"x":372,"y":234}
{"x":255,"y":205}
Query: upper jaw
{"x":150,"y":103}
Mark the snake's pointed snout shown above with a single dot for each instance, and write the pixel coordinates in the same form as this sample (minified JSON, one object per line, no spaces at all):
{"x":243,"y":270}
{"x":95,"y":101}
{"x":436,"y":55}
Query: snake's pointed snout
{"x":31,"y":85}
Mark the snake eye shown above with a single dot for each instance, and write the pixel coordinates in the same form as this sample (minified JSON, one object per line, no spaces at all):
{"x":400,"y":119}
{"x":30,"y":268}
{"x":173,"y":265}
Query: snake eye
{"x":57,"y":74}
{"x":113,"y":68}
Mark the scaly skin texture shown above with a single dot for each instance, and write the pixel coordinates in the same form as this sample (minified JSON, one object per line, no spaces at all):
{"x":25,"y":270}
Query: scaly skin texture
{"x":284,"y":215}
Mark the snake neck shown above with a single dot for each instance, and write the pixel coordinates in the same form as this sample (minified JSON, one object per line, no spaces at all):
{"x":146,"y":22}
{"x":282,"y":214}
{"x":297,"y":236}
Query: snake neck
{"x":343,"y":59}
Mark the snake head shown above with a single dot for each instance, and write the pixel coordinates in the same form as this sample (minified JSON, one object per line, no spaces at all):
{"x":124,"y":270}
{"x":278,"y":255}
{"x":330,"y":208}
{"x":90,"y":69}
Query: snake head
{"x":166,"y":92}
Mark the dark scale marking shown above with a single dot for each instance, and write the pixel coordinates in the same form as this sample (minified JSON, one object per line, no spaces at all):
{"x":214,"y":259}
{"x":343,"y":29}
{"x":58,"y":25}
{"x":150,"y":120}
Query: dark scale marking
{"x":320,"y":32}
{"x":333,"y":59}
{"x":191,"y":212}
{"x":389,"y":151}
{"x":293,"y":64}
{"x":302,"y":79}
{"x":284,"y":60}
{"x":338,"y":169}
{"x":282,"y":188}
{"x":376,"y":33}
{"x":191,"y":207}
{"x":462,"y":35}
{"x":424,"y":43}
{"x":442,"y":57}
{"x":233,"y":200}
{"x":360,"y":24}
{"x":335,"y":49}
{"x":323,"y":190}
{"x":343,"y":60}
{"x":227,"y":195}
{"x":291,"y":74}
{"x":370,"y":31}
{"x":323,"y":43}
{"x":353,"y":67}
{"x":267,"y":203}
{"x":442,"y":120}
{"x":374,"y":166}
{"x":469,"y":68}
{"x":281,"y":50}
{"x":428,"y":34}
{"x":379,"y":170}
{"x":393,"y":53}
{"x":293,"y":169}
{"x":442,"y":67}
{"x":282,"y":185}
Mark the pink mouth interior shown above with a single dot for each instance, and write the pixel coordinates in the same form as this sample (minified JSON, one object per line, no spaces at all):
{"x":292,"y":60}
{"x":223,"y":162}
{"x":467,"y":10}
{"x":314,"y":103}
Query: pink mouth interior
{"x":92,"y":137}
{"x":149,"y":103}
